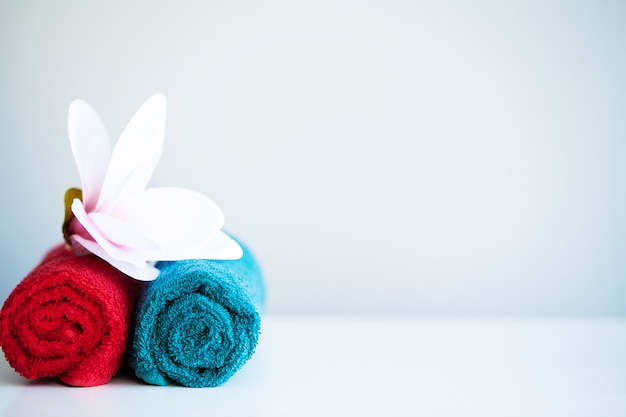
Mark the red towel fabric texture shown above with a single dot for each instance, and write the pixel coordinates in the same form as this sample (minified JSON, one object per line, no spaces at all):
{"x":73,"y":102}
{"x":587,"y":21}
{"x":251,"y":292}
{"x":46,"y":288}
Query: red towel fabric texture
{"x":69,"y":318}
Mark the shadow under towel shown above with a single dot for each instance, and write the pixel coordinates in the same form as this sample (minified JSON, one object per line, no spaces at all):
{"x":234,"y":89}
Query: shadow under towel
{"x":198,"y":322}
{"x":69,"y":318}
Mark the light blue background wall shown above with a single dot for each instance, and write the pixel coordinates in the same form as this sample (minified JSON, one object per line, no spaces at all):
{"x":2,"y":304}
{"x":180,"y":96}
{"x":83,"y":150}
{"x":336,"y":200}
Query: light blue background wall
{"x":460,"y":157}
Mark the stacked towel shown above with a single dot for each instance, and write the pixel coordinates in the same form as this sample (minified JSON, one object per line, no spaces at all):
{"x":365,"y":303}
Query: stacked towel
{"x":199,"y":322}
{"x":69,"y":318}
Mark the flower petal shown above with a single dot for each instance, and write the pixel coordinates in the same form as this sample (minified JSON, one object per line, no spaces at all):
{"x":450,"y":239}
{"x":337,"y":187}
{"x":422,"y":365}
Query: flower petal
{"x":128,"y":255}
{"x":136,"y":154}
{"x":180,"y":221}
{"x":146,"y":273}
{"x":220,"y":246}
{"x":122,"y":233}
{"x":91,"y":149}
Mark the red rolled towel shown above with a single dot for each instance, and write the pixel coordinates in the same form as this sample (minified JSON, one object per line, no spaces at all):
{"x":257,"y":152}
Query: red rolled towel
{"x":69,"y":318}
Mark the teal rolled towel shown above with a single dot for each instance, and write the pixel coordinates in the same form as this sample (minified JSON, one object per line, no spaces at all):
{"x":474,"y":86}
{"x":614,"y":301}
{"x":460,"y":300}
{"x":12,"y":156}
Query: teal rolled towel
{"x":198,"y":322}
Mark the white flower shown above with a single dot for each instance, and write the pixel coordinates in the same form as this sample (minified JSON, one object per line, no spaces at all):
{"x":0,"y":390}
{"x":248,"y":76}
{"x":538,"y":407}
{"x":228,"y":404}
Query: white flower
{"x":121,"y":221}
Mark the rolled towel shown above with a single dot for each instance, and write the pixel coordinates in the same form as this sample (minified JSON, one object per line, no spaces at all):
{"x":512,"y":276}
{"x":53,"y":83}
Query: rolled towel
{"x":198,"y":322}
{"x":69,"y":318}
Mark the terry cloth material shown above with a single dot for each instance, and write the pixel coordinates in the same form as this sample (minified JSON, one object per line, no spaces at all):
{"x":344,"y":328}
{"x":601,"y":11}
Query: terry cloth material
{"x":198,"y":322}
{"x":69,"y":318}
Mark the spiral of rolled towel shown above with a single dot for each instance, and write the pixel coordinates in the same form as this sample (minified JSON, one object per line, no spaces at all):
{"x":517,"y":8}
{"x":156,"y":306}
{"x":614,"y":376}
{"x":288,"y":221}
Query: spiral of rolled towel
{"x":69,"y":318}
{"x":198,"y":322}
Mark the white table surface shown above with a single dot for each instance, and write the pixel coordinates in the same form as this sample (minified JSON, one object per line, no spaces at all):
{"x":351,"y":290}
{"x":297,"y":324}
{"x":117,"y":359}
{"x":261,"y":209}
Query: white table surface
{"x":378,"y":366}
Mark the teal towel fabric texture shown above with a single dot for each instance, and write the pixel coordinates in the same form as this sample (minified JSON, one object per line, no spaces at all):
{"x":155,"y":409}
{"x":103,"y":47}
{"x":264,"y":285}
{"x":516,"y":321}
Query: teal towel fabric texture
{"x":198,"y":322}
